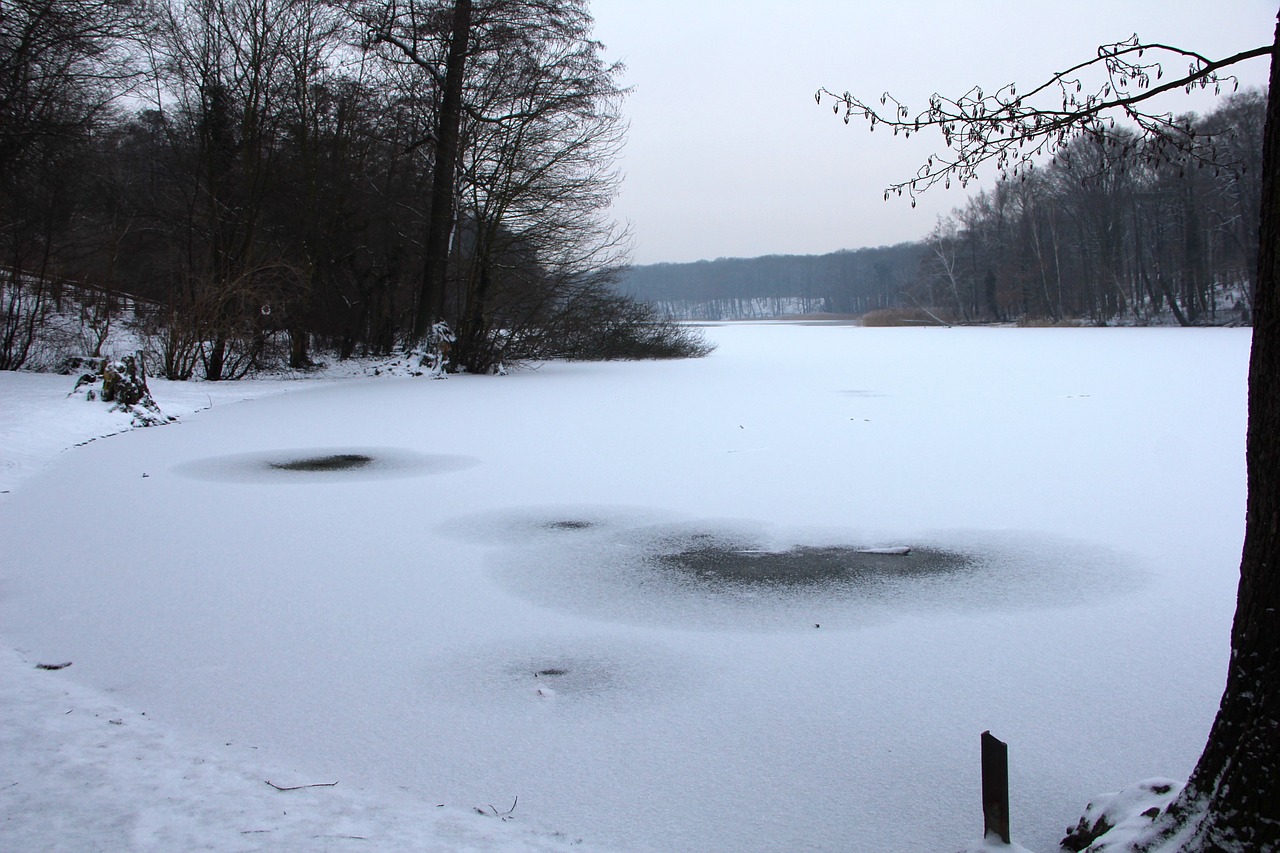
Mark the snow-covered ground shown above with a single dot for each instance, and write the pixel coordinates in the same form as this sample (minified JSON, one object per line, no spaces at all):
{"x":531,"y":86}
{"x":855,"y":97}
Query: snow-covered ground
{"x":485,"y":607}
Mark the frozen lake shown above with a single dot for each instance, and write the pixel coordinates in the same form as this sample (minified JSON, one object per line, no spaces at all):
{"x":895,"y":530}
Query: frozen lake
{"x":662,"y":603}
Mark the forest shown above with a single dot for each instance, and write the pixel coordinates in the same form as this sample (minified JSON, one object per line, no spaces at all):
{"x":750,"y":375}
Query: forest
{"x":257,"y":179}
{"x":1095,"y":235}
{"x":252,"y":181}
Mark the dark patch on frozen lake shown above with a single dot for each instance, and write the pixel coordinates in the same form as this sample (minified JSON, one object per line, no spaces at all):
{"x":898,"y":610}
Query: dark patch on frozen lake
{"x":322,"y":465}
{"x":552,"y":524}
{"x":746,"y":576}
{"x":574,"y":524}
{"x":597,"y":670}
{"x":332,"y":462}
{"x":716,"y":563}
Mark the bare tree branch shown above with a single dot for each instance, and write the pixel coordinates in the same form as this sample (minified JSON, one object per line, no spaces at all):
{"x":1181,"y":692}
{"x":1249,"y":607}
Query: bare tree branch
{"x":1011,"y":129}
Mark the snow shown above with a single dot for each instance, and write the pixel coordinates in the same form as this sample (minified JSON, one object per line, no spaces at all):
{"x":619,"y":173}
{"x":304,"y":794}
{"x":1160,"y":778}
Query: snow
{"x":82,"y":772}
{"x":991,"y":844}
{"x":1127,"y":817}
{"x":389,"y":626}
{"x":43,"y":415}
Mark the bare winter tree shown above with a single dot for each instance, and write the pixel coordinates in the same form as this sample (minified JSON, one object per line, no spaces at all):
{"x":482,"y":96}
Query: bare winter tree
{"x":525,"y":130}
{"x":1232,"y":800}
{"x":63,"y":63}
{"x":536,"y":181}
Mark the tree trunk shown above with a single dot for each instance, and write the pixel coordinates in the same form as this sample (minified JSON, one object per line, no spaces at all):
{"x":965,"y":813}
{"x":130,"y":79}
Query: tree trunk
{"x":1236,"y":783}
{"x":298,"y":355}
{"x":217,"y":359}
{"x":440,"y":218}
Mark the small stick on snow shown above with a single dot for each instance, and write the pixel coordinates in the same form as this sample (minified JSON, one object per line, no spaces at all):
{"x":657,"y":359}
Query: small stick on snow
{"x":498,"y":814}
{"x":53,"y":666}
{"x":300,"y":787}
{"x":896,"y":551}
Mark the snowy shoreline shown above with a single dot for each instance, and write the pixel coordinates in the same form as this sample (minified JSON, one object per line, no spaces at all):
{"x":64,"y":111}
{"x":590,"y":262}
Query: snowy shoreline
{"x":85,"y":772}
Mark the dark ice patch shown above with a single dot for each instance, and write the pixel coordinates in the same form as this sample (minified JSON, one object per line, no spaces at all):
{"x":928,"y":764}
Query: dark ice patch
{"x":321,"y":465}
{"x":331,"y":462}
{"x":801,"y":566}
{"x":555,"y":523}
{"x":571,"y":524}
{"x":594,"y":670}
{"x":743,"y":576}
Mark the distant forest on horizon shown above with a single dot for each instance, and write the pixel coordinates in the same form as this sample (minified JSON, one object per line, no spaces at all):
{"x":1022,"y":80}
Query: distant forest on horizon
{"x":1086,"y":238}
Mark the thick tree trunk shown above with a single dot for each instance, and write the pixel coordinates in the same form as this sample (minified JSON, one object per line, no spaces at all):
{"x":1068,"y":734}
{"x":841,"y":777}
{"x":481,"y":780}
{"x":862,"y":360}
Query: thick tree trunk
{"x":1236,"y":785}
{"x":440,"y":218}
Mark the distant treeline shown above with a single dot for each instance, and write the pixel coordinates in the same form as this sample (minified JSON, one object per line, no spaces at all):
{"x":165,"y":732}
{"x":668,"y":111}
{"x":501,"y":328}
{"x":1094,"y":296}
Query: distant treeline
{"x":849,"y":282}
{"x":1099,"y":234}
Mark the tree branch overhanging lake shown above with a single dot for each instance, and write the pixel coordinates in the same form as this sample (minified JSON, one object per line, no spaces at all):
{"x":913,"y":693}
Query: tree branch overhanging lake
{"x":1011,"y":129}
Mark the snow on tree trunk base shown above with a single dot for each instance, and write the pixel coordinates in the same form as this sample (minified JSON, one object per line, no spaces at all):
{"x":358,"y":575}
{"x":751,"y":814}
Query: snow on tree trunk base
{"x":1120,"y":821}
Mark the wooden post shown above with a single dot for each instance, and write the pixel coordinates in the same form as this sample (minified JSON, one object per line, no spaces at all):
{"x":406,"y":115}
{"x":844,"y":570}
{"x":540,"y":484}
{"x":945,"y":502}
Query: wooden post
{"x":995,"y":787}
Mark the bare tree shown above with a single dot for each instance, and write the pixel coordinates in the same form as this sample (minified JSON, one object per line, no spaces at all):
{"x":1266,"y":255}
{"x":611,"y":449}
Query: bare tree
{"x":1232,"y":800}
{"x":535,"y":186}
{"x":236,"y":81}
{"x":62,"y":65}
{"x":525,"y":130}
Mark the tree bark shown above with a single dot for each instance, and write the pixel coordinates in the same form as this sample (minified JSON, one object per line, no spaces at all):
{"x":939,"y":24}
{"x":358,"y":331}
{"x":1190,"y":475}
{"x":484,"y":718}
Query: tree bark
{"x":1236,"y":784}
{"x":431,"y":292}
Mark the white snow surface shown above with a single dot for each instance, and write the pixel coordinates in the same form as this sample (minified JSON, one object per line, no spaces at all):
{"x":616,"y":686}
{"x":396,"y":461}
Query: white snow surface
{"x":474,"y":611}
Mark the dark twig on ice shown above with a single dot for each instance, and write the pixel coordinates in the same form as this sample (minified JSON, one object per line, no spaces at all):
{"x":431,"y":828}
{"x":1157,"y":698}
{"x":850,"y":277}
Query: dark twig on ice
{"x":498,"y":814}
{"x":53,"y":666}
{"x":300,"y":787}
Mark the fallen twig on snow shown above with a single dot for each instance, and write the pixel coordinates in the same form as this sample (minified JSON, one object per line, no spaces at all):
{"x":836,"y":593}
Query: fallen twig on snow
{"x":496,"y":813}
{"x":300,"y":787}
{"x":53,"y":666}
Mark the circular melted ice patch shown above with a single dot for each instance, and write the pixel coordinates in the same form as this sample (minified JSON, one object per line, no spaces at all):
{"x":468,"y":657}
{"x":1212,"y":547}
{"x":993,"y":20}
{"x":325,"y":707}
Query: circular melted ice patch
{"x":561,"y":524}
{"x":718,"y":564}
{"x":330,"y":462}
{"x":569,"y":669}
{"x":724,"y":576}
{"x":321,"y":465}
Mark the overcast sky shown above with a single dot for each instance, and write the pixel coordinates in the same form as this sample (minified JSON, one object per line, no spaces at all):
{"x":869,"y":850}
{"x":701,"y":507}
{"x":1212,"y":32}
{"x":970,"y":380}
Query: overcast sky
{"x":729,"y":156}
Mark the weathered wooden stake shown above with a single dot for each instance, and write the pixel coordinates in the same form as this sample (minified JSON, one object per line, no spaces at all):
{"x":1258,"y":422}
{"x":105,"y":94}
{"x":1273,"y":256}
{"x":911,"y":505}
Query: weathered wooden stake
{"x":995,"y":787}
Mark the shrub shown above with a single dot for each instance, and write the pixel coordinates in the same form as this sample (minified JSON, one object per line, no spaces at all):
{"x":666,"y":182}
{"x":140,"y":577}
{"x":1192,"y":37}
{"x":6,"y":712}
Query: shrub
{"x":905,"y":317}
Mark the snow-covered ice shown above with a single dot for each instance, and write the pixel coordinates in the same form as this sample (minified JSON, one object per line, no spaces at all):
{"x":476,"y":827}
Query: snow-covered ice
{"x":482,"y":611}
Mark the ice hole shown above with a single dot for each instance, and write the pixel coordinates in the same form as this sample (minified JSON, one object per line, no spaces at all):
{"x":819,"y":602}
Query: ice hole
{"x":322,"y":465}
{"x":728,"y":575}
{"x":571,"y":524}
{"x":332,"y":462}
{"x":737,"y":564}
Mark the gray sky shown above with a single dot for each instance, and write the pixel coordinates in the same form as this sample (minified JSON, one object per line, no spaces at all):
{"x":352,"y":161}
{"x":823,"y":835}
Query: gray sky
{"x":728,"y":155}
